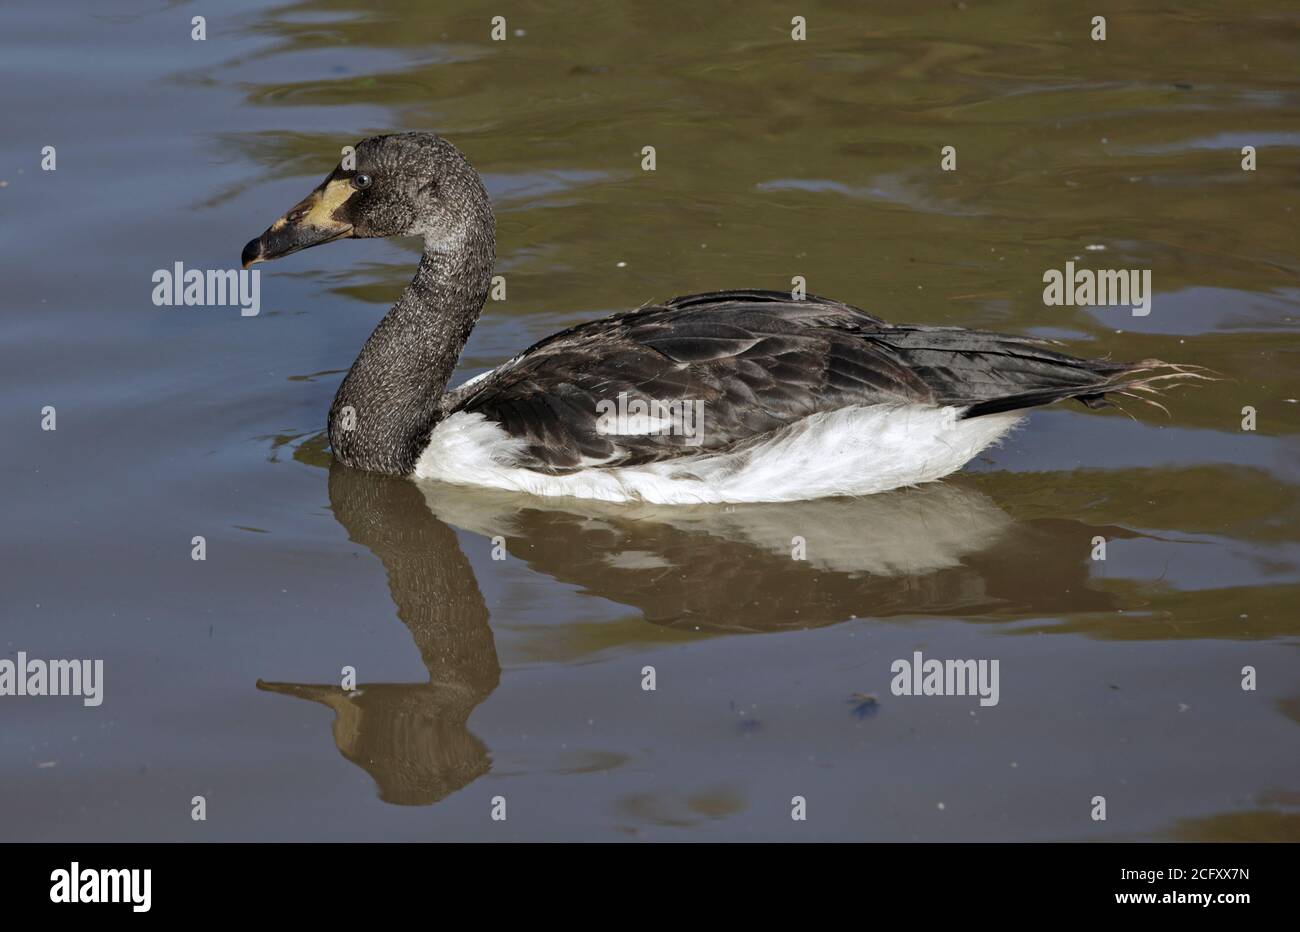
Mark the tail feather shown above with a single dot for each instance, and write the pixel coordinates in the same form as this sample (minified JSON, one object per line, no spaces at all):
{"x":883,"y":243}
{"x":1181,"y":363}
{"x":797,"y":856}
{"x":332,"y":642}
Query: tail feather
{"x":1129,"y":378}
{"x":990,"y":373}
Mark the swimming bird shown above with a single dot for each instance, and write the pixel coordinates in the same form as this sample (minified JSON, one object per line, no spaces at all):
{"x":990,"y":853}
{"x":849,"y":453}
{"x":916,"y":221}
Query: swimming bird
{"x":731,"y":396}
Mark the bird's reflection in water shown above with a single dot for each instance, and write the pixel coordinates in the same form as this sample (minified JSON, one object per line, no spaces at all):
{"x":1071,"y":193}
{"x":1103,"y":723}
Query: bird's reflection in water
{"x":942,"y":549}
{"x":412,"y":738}
{"x":939,"y":549}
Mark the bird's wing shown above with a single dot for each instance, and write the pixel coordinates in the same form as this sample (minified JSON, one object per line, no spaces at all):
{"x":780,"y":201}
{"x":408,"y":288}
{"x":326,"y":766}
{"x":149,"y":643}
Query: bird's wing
{"x":750,"y":362}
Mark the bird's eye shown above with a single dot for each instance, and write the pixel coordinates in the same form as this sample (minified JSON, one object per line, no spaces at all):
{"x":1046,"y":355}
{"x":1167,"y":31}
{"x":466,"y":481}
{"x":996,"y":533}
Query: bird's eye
{"x":360,"y":181}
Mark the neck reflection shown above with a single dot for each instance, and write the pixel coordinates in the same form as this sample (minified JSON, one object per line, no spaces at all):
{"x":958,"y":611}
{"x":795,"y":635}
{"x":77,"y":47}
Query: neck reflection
{"x":413,"y":738}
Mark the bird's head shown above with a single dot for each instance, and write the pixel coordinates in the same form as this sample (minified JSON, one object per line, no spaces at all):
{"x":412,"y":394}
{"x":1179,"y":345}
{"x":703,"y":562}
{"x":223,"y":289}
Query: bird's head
{"x":406,"y":184}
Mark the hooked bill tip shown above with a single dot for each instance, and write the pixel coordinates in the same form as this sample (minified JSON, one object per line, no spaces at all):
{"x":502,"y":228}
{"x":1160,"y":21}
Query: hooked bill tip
{"x":252,"y":253}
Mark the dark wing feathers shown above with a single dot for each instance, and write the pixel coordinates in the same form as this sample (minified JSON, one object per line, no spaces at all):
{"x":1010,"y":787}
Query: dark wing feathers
{"x":758,"y":361}
{"x":966,"y":367}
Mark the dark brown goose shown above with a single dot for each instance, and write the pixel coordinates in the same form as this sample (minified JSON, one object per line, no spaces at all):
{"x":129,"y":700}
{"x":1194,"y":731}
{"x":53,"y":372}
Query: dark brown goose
{"x":733,"y":396}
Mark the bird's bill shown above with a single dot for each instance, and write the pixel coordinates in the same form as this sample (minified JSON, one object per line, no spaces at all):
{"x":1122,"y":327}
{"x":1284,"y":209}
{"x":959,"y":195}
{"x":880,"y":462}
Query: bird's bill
{"x":311,"y":222}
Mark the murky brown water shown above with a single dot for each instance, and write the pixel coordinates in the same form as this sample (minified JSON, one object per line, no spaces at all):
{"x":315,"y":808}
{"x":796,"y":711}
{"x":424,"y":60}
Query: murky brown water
{"x":521,"y":677}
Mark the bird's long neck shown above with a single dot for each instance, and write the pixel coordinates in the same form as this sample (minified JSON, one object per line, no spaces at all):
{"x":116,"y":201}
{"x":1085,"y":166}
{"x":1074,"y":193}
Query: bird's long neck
{"x":388,"y":403}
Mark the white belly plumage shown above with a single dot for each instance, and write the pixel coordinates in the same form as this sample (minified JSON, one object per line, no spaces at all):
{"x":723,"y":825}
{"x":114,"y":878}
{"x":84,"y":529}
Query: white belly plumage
{"x":852,"y":451}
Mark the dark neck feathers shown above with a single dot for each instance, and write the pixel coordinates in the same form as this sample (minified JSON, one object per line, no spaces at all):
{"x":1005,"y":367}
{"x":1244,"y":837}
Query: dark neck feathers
{"x":388,"y":403}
